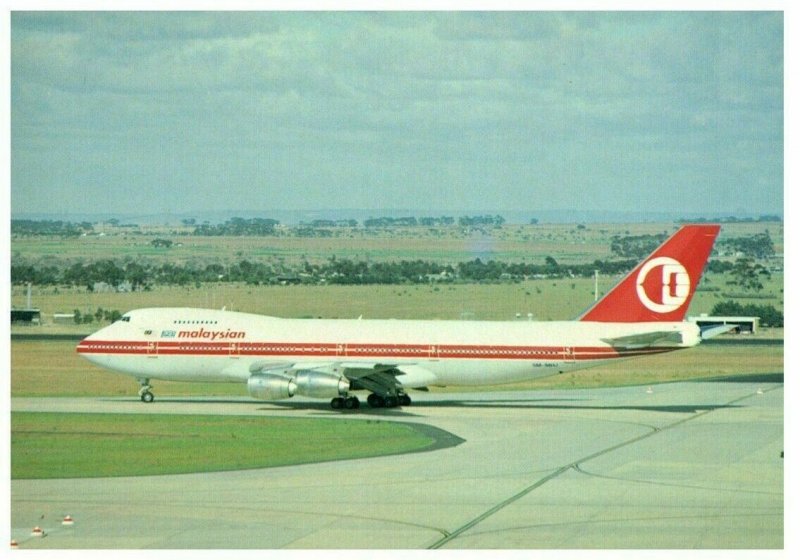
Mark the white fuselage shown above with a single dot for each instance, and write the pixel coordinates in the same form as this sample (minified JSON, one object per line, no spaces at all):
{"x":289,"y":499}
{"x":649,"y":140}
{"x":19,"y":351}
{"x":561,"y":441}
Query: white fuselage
{"x":189,"y":344}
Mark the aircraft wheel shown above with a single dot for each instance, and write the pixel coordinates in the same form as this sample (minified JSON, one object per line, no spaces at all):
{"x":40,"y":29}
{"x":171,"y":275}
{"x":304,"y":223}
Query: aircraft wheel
{"x":147,"y":397}
{"x":391,"y":402}
{"x":337,"y":403}
{"x":405,"y":400}
{"x":351,"y":403}
{"x":375,"y":401}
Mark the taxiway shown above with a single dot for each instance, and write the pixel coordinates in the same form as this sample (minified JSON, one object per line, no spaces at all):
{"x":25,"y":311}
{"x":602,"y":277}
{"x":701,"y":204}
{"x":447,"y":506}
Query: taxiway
{"x":683,"y":465}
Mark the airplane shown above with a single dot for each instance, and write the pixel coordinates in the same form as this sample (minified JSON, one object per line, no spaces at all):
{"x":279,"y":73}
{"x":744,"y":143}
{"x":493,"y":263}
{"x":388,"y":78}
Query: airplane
{"x":278,"y":358}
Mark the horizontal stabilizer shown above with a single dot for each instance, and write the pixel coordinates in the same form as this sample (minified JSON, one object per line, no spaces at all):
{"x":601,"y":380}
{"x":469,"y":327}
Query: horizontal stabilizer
{"x":646,"y":340}
{"x":715,"y":330}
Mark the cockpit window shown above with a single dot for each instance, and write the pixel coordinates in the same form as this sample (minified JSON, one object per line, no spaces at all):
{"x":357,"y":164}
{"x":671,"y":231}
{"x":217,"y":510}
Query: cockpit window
{"x":126,"y":318}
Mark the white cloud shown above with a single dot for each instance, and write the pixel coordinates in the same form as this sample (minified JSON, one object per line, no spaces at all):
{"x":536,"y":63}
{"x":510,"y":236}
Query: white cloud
{"x":359,"y":109}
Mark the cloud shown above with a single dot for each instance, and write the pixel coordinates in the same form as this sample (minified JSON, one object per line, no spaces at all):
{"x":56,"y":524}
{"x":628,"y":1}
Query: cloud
{"x":363,"y":109}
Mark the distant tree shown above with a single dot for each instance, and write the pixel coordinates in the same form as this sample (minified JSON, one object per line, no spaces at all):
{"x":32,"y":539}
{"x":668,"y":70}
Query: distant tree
{"x":137,"y":275}
{"x":747,"y":274}
{"x":49,"y":227}
{"x":239,"y":227}
{"x":719,"y":267}
{"x":758,"y":246}
{"x":111,"y":315}
{"x":636,"y":246}
{"x":768,"y":315}
{"x":486,"y":220}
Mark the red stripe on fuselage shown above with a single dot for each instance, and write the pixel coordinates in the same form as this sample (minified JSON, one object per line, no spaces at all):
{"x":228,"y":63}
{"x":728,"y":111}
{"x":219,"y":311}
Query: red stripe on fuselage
{"x":360,"y":350}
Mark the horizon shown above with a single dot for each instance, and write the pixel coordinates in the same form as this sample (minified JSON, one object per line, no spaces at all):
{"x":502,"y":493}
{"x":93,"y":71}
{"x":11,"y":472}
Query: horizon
{"x":298,"y":217}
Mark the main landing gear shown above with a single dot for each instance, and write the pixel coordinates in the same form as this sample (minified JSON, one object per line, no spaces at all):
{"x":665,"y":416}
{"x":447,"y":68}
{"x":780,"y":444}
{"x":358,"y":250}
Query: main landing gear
{"x":390,"y":401}
{"x":348,"y":403}
{"x":144,"y":391}
{"x":374,"y":400}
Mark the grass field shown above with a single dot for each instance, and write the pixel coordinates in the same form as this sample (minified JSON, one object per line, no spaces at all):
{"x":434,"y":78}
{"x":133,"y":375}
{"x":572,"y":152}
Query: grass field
{"x":439,"y":244}
{"x":561,"y":299}
{"x":48,"y":445}
{"x":515,"y":243}
{"x":543,"y":299}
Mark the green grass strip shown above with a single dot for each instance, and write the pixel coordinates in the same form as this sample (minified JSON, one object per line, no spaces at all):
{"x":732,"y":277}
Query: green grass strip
{"x":54,"y":445}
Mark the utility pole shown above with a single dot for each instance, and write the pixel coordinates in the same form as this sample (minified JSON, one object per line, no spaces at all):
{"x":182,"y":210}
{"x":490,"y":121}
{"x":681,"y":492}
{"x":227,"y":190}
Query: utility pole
{"x":596,"y":294}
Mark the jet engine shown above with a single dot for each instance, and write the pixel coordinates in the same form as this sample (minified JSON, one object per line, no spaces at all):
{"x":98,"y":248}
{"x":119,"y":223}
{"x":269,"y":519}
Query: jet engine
{"x":320,"y":384}
{"x":275,"y":386}
{"x":271,"y":386}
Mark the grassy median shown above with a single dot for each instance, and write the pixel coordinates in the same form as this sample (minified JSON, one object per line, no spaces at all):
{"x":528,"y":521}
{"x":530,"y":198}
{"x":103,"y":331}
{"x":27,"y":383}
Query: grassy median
{"x":53,"y":445}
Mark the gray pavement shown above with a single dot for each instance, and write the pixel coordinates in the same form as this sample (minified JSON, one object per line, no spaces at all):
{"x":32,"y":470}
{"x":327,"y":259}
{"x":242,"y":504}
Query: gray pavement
{"x":686,"y":465}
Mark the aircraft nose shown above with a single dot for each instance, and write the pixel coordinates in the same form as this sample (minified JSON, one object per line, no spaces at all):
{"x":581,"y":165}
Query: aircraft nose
{"x":84,"y":345}
{"x":88,"y":344}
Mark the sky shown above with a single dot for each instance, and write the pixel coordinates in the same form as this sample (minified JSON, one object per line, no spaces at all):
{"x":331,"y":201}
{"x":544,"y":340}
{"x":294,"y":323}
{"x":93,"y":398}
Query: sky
{"x":184,"y":112}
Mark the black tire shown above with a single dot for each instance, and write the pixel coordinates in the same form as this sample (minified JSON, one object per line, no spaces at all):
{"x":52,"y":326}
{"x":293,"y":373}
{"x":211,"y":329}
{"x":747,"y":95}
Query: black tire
{"x":375,"y":401}
{"x":351,"y":403}
{"x":405,"y":400}
{"x":337,"y":403}
{"x":147,"y":397}
{"x":391,"y":402}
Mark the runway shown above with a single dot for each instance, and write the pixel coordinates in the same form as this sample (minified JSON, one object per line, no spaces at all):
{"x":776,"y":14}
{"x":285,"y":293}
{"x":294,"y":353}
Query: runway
{"x":681,"y":465}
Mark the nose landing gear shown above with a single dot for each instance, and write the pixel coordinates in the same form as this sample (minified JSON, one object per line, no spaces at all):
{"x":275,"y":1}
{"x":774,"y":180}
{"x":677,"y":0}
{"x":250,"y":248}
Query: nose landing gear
{"x":144,"y":391}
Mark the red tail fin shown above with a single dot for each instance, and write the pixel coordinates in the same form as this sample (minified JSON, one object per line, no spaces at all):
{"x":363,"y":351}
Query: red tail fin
{"x":661,"y":287}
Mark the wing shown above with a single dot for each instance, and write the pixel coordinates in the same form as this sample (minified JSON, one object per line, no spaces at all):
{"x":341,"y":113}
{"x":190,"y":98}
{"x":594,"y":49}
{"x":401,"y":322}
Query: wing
{"x":401,"y":375}
{"x":383,"y":379}
{"x":380,"y":379}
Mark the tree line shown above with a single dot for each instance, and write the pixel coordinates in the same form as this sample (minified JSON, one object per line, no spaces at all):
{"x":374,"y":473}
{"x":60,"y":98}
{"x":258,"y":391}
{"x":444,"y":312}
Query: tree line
{"x":758,"y":246}
{"x":238,"y":226}
{"x":767,"y":314}
{"x":774,"y":218}
{"x":58,"y":228}
{"x":143,"y":275}
{"x":745,"y":271}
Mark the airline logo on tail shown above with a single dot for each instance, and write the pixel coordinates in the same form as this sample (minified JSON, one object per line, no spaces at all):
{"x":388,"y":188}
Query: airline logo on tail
{"x":662,"y":286}
{"x":670,"y":288}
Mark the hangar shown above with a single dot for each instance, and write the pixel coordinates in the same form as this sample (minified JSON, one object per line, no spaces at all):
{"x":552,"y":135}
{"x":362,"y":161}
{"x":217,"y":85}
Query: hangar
{"x":25,"y":317}
{"x":748,"y":325}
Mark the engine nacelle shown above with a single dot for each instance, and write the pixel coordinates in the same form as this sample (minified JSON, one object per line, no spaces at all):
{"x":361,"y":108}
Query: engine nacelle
{"x":320,"y":384}
{"x":270,"y":386}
